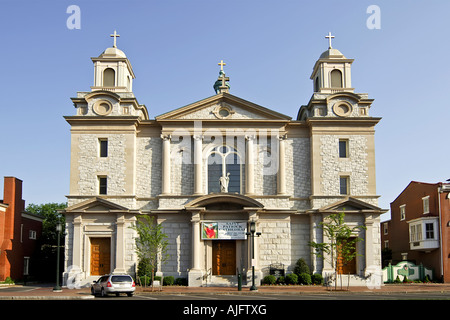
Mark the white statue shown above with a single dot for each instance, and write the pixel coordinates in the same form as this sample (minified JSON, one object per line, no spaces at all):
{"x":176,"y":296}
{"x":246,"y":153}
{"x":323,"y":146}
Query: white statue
{"x":224,"y":182}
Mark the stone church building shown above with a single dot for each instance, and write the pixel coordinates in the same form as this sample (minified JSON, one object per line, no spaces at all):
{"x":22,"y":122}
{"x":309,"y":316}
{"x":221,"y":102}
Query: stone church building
{"x":210,"y":170}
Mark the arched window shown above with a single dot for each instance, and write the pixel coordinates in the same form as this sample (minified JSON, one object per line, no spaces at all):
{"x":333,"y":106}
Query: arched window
{"x":224,"y":163}
{"x":316,"y":85}
{"x":336,"y":78}
{"x":109,"y":77}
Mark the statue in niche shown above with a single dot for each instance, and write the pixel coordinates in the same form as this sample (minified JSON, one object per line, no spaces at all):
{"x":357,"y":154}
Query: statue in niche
{"x":224,"y":182}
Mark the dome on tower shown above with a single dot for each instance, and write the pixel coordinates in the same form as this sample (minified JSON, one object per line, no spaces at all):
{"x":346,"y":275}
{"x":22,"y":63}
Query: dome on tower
{"x":113,"y":52}
{"x":332,"y":53}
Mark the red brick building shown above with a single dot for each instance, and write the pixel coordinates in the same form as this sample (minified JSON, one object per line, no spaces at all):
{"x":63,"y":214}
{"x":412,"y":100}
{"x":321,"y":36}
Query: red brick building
{"x":19,"y":233}
{"x":419,"y":229}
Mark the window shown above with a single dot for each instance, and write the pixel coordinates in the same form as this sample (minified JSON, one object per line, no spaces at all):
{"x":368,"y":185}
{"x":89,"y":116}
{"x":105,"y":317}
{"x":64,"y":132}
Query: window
{"x":343,"y":148}
{"x":415,"y":232}
{"x":403,"y":212}
{"x":316,"y":85}
{"x":344,"y":185}
{"x":429,"y":231}
{"x":426,"y":204}
{"x":103,"y":185}
{"x":32,"y":235}
{"x":336,"y":78}
{"x":224,"y":162}
{"x":103,"y":147}
{"x":109,"y":77}
{"x":385,"y":228}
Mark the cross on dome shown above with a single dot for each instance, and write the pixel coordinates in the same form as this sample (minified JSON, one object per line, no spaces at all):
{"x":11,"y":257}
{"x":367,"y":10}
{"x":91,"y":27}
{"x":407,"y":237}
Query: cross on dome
{"x":329,"y":37}
{"x":221,"y":64}
{"x":115,"y":35}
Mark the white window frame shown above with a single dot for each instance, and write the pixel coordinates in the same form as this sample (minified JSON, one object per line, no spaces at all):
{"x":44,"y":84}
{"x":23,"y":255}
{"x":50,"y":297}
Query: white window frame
{"x":426,"y":204}
{"x":32,"y":234}
{"x":402,"y":212}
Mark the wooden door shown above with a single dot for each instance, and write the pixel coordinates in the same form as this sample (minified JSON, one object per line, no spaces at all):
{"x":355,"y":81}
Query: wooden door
{"x":100,"y":256}
{"x":346,"y":267}
{"x":224,"y":257}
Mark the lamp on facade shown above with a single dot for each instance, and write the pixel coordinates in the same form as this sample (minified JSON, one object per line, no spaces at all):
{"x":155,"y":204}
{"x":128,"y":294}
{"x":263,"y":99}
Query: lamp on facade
{"x":57,"y":288}
{"x":252,"y":234}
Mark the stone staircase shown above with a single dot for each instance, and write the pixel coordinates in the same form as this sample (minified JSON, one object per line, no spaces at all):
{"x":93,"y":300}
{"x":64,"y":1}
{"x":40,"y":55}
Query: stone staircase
{"x":222,"y":281}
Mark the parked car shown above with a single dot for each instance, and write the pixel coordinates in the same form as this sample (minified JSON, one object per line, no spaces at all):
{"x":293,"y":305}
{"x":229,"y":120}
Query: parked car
{"x":113,"y":283}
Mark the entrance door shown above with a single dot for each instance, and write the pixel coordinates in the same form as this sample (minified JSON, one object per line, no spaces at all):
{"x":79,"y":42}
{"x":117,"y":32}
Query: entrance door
{"x":347,"y":267}
{"x":100,"y":256}
{"x":224,"y":257}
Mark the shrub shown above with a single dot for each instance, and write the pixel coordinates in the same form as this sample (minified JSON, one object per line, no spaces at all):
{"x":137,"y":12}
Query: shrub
{"x":301,"y":267}
{"x":304,"y":278}
{"x":8,"y":280}
{"x":270,"y":279}
{"x":291,"y":278}
{"x":144,"y":280}
{"x":168,"y":281}
{"x":281,"y":280}
{"x":181,"y":281}
{"x":316,"y":278}
{"x":144,"y":268}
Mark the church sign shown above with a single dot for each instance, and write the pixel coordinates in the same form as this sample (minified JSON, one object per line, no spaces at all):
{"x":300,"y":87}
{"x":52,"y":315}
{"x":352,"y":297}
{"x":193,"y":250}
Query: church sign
{"x":224,"y":230}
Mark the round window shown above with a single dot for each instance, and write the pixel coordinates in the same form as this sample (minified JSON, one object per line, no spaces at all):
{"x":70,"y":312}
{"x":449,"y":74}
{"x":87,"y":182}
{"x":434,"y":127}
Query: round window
{"x":224,"y":113}
{"x":102,"y":108}
{"x":342,"y":109}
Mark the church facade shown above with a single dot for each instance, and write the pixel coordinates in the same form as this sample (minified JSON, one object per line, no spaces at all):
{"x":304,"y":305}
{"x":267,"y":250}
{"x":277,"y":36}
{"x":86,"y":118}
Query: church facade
{"x":214,"y":170}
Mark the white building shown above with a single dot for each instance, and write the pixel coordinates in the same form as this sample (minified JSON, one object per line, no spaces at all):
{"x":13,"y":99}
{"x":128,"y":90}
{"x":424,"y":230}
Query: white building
{"x":285,"y":175}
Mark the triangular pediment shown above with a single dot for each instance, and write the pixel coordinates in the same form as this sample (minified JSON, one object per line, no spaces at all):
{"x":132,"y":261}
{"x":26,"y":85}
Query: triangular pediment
{"x":96,"y":204}
{"x":223,"y":106}
{"x":351,"y":205}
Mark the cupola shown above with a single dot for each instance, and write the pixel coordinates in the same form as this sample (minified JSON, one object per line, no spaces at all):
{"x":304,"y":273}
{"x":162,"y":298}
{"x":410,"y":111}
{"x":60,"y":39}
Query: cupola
{"x":113,"y":71}
{"x":332,"y":72}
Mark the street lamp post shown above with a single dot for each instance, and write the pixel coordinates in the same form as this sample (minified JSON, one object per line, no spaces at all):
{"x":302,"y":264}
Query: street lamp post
{"x":57,"y":288}
{"x":252,"y":235}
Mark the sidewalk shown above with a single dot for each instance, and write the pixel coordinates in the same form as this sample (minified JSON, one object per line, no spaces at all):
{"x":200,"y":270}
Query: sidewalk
{"x":45,"y":291}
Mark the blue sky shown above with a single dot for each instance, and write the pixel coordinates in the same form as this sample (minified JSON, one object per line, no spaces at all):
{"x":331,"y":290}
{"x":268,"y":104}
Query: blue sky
{"x":270,"y":48}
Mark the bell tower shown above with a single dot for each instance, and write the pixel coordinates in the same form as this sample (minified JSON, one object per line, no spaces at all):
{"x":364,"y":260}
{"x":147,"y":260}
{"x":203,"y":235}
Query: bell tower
{"x":332,"y":72}
{"x":113,"y":71}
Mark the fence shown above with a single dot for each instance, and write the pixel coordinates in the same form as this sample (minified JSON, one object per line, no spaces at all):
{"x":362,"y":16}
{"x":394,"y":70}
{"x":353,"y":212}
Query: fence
{"x":406,"y":269}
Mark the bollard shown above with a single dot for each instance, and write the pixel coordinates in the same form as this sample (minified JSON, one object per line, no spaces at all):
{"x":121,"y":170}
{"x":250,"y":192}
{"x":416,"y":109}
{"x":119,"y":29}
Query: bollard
{"x":239,"y":282}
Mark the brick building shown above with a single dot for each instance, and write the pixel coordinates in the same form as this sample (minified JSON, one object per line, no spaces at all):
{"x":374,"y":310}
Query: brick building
{"x":209,"y":169}
{"x":19,"y":233}
{"x":418,"y":230}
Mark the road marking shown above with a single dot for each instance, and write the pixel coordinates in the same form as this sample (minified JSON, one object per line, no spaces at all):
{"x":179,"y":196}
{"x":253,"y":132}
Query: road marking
{"x":146,"y":297}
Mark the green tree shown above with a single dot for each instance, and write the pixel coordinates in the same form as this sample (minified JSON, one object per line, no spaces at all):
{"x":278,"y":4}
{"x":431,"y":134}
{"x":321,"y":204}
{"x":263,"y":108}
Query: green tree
{"x":49,"y":211}
{"x":342,"y":243}
{"x":151,"y":243}
{"x":48,"y":241}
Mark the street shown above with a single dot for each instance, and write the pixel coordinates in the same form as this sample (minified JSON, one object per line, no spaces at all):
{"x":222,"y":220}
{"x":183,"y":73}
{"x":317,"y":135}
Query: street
{"x":286,"y":297}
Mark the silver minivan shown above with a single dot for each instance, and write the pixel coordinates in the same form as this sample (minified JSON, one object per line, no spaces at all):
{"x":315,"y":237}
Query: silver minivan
{"x":113,"y":283}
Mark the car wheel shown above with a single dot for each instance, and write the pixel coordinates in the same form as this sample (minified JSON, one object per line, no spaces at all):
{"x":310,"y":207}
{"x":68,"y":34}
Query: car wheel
{"x":130,"y":294}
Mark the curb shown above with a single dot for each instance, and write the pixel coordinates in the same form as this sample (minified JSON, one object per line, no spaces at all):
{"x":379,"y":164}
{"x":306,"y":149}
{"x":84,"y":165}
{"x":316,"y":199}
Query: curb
{"x":46,"y":298}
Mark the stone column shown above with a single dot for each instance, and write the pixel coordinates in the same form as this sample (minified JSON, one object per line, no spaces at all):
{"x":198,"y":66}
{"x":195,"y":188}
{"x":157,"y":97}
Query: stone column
{"x":250,"y":166}
{"x":120,"y":244}
{"x":372,"y":263}
{"x":195,"y":275}
{"x":77,"y":242}
{"x":75,"y":269}
{"x":166,"y":164}
{"x":198,"y":165}
{"x":281,"y":177}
